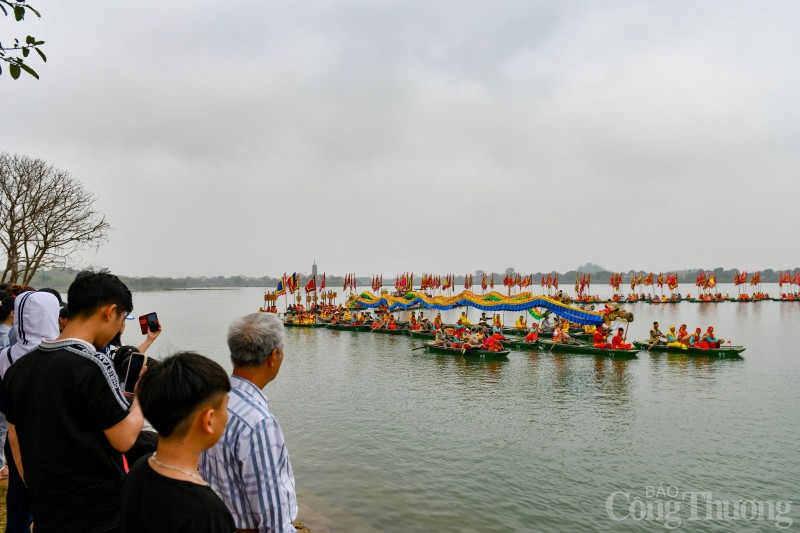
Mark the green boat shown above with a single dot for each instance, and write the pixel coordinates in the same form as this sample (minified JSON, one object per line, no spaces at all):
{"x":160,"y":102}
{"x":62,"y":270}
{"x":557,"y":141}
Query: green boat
{"x":723,"y":352}
{"x":398,"y":331}
{"x":348,"y":327}
{"x":301,"y":325}
{"x":519,"y":343}
{"x":484,"y":354}
{"x":419,"y":334}
{"x":548,"y":345}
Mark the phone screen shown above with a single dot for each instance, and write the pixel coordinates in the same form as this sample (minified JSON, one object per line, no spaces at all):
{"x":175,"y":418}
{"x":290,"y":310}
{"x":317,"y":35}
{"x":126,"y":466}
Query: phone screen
{"x":152,"y":322}
{"x":143,"y":324}
{"x":135,"y":365}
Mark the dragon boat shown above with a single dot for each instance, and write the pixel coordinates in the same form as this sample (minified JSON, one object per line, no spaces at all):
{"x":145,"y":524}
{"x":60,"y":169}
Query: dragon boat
{"x":723,"y":352}
{"x":580,"y":348}
{"x":304,"y":324}
{"x":348,"y":327}
{"x":472,"y":352}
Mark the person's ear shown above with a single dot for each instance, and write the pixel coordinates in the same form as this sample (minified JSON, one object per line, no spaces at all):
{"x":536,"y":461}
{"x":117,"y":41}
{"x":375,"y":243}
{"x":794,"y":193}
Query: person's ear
{"x":206,"y":418}
{"x":272,"y":358}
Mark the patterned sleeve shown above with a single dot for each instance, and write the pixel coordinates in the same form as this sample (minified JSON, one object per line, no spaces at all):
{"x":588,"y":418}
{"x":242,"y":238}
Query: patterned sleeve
{"x":268,"y":478}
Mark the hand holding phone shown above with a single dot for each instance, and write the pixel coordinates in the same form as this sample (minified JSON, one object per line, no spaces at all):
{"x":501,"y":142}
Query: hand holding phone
{"x":136,"y":362}
{"x":148,"y":322}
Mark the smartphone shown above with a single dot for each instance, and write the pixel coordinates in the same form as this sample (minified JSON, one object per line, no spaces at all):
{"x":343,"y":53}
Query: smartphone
{"x":148,"y":322}
{"x":136,"y":362}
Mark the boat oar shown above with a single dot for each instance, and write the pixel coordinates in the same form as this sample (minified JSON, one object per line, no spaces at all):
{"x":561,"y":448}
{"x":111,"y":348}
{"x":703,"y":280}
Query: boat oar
{"x":417,"y":348}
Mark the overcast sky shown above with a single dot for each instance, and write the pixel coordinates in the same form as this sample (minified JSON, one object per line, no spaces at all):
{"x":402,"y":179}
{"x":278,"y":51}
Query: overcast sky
{"x":227,"y":138}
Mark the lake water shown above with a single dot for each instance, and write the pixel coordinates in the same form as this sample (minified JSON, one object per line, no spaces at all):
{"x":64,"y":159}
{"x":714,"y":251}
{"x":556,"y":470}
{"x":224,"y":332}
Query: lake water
{"x":383,"y":438}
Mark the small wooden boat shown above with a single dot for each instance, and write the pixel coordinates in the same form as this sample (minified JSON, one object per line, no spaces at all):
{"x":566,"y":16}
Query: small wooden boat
{"x":419,"y":334}
{"x":519,"y":343}
{"x":473,"y":352}
{"x":398,"y":331}
{"x":723,"y":352}
{"x":549,"y":345}
{"x":348,"y":327}
{"x":304,"y":325}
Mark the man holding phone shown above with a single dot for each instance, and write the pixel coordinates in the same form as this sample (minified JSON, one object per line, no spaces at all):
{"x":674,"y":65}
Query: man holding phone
{"x":68,"y":419}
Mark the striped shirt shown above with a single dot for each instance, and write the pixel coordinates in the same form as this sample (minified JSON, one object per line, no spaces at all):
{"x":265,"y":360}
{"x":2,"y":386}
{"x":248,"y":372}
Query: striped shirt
{"x":249,"y":467}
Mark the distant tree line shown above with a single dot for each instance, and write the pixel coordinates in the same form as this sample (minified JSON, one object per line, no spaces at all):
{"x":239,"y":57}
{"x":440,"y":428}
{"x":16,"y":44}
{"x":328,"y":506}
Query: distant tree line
{"x":60,"y":278}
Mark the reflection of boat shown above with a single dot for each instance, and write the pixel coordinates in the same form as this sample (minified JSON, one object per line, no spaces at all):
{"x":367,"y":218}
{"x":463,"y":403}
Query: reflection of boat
{"x":487,"y":354}
{"x":566,"y":347}
{"x":722,"y":352}
{"x":519,"y":344}
{"x":348,"y":327}
{"x":304,"y":325}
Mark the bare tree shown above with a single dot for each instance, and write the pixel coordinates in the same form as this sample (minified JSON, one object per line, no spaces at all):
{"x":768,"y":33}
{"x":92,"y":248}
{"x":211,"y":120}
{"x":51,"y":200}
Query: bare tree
{"x":45,"y":217}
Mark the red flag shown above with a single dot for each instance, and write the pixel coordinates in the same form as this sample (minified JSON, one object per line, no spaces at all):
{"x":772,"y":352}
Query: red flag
{"x":311,"y":286}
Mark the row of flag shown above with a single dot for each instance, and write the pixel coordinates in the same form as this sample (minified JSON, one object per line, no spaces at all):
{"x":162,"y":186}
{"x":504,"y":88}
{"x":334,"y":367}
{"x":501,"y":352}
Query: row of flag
{"x":292,"y":284}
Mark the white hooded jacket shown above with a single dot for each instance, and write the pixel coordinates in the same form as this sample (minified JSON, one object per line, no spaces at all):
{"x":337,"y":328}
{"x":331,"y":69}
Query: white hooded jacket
{"x":35,"y":320}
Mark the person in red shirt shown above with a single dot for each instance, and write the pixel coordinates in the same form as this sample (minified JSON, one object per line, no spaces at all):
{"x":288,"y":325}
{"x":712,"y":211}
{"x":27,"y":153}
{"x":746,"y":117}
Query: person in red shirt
{"x":533,"y":334}
{"x":600,"y":338}
{"x":392,"y":324}
{"x":618,"y":341}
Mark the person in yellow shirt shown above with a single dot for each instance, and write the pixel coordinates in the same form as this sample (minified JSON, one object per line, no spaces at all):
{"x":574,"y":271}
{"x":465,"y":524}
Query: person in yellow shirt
{"x":464,"y":320}
{"x":521,"y":323}
{"x":497,"y":323}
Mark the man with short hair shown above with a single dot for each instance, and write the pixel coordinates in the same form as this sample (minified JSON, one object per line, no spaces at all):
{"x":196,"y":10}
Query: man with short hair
{"x":249,"y":467}
{"x":68,"y":419}
{"x":185,"y":397}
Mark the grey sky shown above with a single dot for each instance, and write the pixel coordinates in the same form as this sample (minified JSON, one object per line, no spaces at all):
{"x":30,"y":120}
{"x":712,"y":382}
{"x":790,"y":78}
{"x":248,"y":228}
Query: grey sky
{"x":253,"y":137}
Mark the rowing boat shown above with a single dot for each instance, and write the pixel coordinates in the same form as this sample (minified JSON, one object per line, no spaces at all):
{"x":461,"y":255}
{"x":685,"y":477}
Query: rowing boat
{"x":723,"y":352}
{"x":549,"y":345}
{"x":304,"y":325}
{"x":348,"y":327}
{"x":473,"y":352}
{"x":520,"y":343}
{"x":419,"y":334}
{"x":398,"y":331}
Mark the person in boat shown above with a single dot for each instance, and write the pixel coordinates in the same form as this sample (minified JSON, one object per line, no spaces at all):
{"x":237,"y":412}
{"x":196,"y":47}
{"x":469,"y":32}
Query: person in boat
{"x":696,"y":340}
{"x":683,"y":335}
{"x":533,"y":334}
{"x":600,"y":338}
{"x":618,"y":341}
{"x":460,"y":329}
{"x":441,"y":336}
{"x":437,"y":321}
{"x":464,"y":320}
{"x":347,"y":317}
{"x":589,"y":329}
{"x":496,"y":322}
{"x":424,"y":323}
{"x":560,"y":333}
{"x":711,"y":339}
{"x":412,"y":321}
{"x":498,"y":333}
{"x":483,"y":320}
{"x":546,"y":324}
{"x":493,"y":342}
{"x":521,"y":323}
{"x":656,"y":337}
{"x":673,"y":340}
{"x":475,"y":340}
{"x":392,"y":324}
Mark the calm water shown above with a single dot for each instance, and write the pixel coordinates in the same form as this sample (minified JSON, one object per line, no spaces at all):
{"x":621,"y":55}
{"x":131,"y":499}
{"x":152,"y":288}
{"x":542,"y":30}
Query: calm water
{"x":383,"y":438}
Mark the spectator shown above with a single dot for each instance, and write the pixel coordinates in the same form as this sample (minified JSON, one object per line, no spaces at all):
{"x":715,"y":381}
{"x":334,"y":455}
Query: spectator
{"x":6,"y":319}
{"x":63,"y":316}
{"x":35,"y":319}
{"x":249,"y":467}
{"x":68,"y":419}
{"x":185,"y":397}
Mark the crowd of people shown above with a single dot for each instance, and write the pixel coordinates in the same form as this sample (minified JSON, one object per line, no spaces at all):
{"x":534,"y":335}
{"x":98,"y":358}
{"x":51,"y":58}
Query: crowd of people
{"x":190,"y":449}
